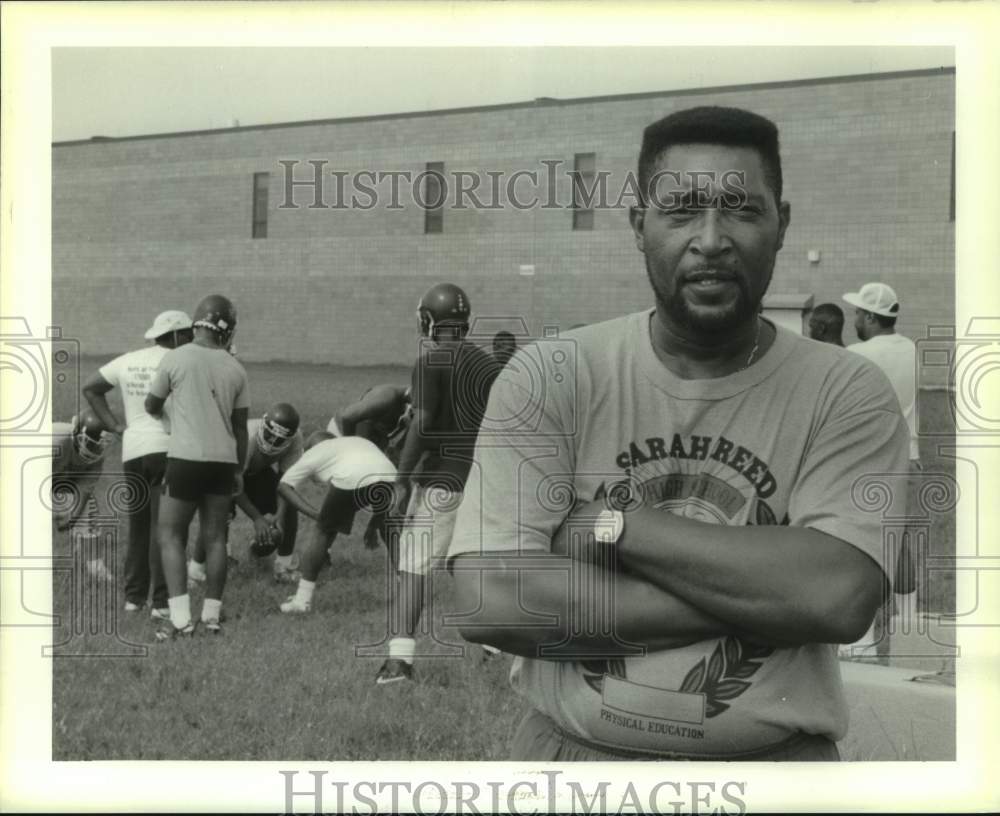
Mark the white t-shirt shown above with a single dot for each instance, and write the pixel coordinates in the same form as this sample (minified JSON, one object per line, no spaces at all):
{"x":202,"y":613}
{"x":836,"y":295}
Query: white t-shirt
{"x":784,"y":442}
{"x":346,"y":463}
{"x":132,"y":373}
{"x":897,"y":357}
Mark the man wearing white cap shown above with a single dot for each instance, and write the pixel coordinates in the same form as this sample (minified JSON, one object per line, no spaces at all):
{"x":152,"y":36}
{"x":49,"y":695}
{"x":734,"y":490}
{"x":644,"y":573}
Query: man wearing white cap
{"x":144,"y":451}
{"x":876,"y":308}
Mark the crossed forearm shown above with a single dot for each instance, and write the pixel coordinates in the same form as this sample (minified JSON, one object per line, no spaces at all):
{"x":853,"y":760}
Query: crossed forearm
{"x":785,"y":584}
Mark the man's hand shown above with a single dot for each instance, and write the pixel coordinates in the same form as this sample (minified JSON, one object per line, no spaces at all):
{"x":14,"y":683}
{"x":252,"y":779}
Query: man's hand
{"x":237,"y":484}
{"x":262,"y":529}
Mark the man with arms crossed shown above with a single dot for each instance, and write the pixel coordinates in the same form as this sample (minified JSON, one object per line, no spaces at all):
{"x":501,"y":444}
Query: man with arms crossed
{"x":144,"y":452}
{"x":208,"y":446}
{"x":740,"y":558}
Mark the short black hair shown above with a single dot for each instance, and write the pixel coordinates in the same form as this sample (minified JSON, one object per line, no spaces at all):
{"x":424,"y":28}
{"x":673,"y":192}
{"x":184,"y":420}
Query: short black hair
{"x":733,"y":127}
{"x":830,"y":314}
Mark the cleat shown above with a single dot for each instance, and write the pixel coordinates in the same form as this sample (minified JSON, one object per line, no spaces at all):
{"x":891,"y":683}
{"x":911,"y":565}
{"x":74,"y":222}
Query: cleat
{"x":213,"y":626}
{"x":134,"y":607}
{"x":160,"y":613}
{"x":393,"y":671}
{"x":171,"y":632}
{"x":294,"y":606}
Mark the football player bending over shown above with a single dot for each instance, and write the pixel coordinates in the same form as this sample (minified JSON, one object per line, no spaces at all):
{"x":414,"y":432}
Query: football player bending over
{"x":358,"y":476}
{"x":381,"y":415}
{"x":79,"y":448}
{"x":274,"y":444}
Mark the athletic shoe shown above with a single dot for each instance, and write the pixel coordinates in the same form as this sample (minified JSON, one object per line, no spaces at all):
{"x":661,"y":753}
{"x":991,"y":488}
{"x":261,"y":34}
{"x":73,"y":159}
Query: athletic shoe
{"x":393,"y":671}
{"x":212,"y":626}
{"x":97,"y":569}
{"x":160,"y":613}
{"x":293,"y":605}
{"x":489,"y":651}
{"x":171,"y":632}
{"x":134,"y":607}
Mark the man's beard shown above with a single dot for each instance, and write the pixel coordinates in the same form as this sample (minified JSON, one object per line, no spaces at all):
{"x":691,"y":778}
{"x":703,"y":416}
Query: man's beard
{"x":673,"y":304}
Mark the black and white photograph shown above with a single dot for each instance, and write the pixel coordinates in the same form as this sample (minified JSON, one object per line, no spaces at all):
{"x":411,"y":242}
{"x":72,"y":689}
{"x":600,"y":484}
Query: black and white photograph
{"x":383,"y":411}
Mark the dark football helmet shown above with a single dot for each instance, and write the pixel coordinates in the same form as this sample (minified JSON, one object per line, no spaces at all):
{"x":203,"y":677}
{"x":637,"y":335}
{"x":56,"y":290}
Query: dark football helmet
{"x":444,"y":304}
{"x":217,"y":313}
{"x":277,"y":429}
{"x":91,"y":437}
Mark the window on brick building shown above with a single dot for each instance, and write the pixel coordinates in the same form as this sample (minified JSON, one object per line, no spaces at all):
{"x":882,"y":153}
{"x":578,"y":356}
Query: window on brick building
{"x":261,"y":182}
{"x":584,"y":172}
{"x":951,"y":205}
{"x":432,"y":197}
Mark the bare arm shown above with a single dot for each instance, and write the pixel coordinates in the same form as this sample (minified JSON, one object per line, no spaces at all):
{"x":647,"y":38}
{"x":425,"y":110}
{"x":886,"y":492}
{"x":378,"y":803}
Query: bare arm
{"x":239,"y":420}
{"x":523,"y":603}
{"x":95,"y":390}
{"x":294,"y":498}
{"x":154,"y":404}
{"x":786,"y":583}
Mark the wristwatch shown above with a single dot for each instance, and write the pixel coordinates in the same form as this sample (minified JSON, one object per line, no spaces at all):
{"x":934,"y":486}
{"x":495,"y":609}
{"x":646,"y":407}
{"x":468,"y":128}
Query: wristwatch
{"x":609,"y":526}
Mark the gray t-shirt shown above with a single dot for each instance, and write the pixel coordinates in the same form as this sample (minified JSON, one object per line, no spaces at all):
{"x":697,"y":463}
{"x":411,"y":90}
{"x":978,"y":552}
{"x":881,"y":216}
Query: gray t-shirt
{"x":206,"y":384}
{"x":783,"y":442}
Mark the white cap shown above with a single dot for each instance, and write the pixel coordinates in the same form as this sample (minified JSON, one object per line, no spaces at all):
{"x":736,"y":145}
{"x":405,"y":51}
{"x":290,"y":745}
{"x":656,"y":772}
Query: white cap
{"x":877,"y":298}
{"x":168,"y":321}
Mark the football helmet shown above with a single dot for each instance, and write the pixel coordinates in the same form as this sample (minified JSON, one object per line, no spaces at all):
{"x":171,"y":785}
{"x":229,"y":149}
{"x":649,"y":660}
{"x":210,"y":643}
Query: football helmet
{"x":91,"y":437}
{"x":443,"y":304}
{"x":277,"y":429}
{"x":217,"y":313}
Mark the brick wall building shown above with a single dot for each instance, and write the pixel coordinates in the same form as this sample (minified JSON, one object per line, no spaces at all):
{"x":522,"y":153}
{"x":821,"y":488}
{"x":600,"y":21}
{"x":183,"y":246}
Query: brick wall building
{"x":147,"y":223}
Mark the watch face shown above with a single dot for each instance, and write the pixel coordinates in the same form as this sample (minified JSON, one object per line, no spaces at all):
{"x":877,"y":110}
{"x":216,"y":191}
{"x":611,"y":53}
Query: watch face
{"x":609,"y":526}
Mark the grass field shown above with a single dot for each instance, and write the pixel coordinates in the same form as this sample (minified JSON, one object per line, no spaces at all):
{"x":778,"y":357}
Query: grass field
{"x":279,"y":688}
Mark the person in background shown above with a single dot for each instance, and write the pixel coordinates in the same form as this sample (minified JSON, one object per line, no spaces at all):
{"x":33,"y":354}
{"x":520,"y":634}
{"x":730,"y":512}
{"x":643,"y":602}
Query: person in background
{"x":79,"y":447}
{"x":205,"y":456}
{"x":826,"y":324}
{"x":876,"y":309}
{"x":144,"y":452}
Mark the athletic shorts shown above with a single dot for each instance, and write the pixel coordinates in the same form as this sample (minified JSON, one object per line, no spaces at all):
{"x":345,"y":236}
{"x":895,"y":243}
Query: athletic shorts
{"x":190,"y":481}
{"x":430,"y":523}
{"x":539,"y":739}
{"x":336,"y":515}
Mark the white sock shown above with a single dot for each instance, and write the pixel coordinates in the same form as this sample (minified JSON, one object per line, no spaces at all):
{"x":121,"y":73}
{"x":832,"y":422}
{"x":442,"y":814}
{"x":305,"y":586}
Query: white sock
{"x":196,"y":570}
{"x":403,"y":648}
{"x":305,"y":591}
{"x":180,"y":611}
{"x":283,"y":562}
{"x":211,"y":609}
